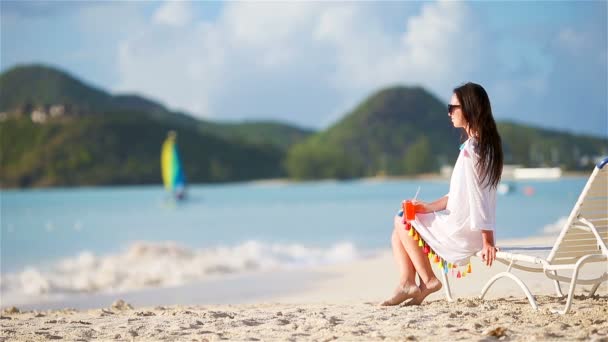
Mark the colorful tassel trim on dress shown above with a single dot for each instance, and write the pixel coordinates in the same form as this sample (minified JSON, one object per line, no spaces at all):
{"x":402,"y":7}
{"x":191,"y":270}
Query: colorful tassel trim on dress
{"x":446,"y":267}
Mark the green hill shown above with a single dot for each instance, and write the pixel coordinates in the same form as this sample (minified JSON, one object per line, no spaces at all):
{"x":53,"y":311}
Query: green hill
{"x":406,"y":130}
{"x":121,"y":148}
{"x":39,"y":85}
{"x":537,"y":147}
{"x":271,"y":133}
{"x":116,"y":139}
{"x":399,"y":130}
{"x":30,"y":86}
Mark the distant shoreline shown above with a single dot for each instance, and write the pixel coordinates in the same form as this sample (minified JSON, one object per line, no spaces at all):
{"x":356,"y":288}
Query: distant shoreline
{"x":284,"y":181}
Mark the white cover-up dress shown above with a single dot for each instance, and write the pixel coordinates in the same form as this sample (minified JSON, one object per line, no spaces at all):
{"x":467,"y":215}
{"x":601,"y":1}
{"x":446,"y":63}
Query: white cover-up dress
{"x":455,"y":234}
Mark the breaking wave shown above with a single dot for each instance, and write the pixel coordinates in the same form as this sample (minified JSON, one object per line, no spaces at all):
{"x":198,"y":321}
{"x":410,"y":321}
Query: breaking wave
{"x":165,"y":264}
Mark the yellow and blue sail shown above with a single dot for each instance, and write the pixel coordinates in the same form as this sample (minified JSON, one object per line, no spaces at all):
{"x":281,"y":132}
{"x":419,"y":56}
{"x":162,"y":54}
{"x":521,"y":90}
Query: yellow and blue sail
{"x":172,"y":171}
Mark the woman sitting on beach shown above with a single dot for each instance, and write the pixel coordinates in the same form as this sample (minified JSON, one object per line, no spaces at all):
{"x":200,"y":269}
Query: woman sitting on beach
{"x":467,"y":226}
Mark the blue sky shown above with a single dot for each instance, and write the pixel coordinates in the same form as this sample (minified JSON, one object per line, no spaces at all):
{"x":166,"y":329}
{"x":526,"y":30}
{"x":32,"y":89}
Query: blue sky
{"x":309,"y":63}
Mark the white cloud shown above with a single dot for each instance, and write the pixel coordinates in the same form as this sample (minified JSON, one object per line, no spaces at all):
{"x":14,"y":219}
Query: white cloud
{"x":181,"y":71}
{"x":205,"y":66}
{"x":174,"y":13}
{"x":443,"y":44}
{"x":310,"y":62}
{"x":310,"y":53}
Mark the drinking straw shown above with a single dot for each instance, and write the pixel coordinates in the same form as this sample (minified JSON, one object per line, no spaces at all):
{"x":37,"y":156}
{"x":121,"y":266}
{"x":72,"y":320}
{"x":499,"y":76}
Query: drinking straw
{"x":417,"y":191}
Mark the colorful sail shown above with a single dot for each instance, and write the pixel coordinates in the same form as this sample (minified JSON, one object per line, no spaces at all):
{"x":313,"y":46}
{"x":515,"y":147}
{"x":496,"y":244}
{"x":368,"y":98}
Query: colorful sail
{"x":172,"y":171}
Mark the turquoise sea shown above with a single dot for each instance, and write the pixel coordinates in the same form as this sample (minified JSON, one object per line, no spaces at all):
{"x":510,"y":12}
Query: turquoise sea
{"x":112,"y":239}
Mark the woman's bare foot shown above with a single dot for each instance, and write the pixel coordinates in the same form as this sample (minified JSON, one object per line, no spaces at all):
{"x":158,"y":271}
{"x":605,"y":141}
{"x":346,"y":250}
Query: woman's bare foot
{"x":433,"y":285}
{"x":402,"y":293}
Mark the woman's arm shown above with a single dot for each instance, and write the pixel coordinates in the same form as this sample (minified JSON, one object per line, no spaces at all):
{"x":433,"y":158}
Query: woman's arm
{"x":438,"y":205}
{"x":488,"y":252}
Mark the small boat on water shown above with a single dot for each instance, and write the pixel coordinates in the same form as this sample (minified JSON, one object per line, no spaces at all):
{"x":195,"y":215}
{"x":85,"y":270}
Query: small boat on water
{"x":171,"y":168}
{"x":537,"y":173}
{"x":505,"y":188}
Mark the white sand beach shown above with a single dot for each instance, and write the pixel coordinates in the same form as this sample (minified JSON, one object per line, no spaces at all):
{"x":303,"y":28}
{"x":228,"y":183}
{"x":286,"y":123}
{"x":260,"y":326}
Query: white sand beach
{"x":338,"y":302}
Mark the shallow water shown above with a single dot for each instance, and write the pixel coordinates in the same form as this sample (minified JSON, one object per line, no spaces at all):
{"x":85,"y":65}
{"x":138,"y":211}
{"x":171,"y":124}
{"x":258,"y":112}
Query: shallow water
{"x":70,"y":241}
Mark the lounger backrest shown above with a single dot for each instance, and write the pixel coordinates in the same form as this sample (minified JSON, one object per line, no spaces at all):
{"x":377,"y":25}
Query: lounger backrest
{"x":586,"y":230}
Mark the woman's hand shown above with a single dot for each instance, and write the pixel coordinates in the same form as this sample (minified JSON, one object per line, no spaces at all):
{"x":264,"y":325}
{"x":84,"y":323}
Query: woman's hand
{"x":422,"y":207}
{"x":488,"y":254}
{"x":488,"y":251}
{"x":425,"y":207}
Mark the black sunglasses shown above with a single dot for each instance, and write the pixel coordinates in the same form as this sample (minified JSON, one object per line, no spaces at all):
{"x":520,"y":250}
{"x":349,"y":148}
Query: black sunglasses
{"x":451,"y":108}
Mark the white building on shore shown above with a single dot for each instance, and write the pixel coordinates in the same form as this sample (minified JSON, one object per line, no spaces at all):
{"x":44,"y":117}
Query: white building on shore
{"x":511,"y":172}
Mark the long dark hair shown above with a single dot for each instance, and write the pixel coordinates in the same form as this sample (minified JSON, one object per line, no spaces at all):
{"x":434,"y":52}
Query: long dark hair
{"x":477,"y":111}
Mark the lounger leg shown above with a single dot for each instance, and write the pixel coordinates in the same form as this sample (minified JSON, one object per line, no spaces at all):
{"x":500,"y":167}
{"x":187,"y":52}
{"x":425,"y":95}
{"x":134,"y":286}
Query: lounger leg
{"x":594,"y":288}
{"x":570,"y":294}
{"x":446,"y":286}
{"x":558,"y":288}
{"x":596,"y":285}
{"x":577,"y":268}
{"x":515,"y":279}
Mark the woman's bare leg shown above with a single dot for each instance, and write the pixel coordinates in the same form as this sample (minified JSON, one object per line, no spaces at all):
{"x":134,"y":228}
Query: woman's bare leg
{"x":407,"y":283}
{"x":407,"y":273}
{"x":428,"y":281}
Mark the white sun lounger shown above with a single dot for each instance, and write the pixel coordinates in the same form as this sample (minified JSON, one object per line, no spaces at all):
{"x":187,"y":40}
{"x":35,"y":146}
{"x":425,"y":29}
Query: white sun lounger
{"x":582,"y":240}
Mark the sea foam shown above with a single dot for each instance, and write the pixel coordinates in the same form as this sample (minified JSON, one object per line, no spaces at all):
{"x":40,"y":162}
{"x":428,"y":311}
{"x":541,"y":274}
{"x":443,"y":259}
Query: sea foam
{"x":163,"y":264}
{"x":555,"y":227}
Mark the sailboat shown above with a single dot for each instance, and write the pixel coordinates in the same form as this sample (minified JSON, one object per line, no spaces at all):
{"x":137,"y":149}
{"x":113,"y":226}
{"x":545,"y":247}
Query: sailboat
{"x":171,"y":167}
